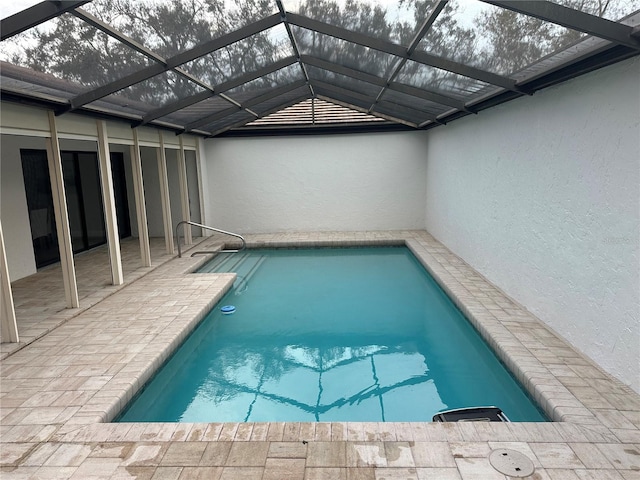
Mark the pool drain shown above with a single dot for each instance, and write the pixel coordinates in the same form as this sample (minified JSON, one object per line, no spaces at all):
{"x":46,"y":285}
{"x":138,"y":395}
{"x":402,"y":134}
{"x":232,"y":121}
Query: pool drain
{"x":512,"y":463}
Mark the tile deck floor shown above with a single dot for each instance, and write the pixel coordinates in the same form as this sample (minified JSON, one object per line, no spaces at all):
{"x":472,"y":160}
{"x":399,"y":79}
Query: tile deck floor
{"x":83,"y":366}
{"x":40,"y":300}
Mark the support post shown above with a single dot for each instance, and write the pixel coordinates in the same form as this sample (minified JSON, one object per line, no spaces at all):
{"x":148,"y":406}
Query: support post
{"x":184,"y":193}
{"x":108,"y":198}
{"x":8,"y":325}
{"x":141,"y":208}
{"x":164,"y":196}
{"x":61,"y":213}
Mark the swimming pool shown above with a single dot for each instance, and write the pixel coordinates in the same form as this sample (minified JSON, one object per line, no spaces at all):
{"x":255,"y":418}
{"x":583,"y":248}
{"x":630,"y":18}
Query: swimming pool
{"x":329,"y":335}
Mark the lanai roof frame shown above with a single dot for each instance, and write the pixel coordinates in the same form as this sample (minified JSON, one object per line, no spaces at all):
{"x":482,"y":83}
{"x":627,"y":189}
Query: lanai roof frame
{"x":616,"y":40}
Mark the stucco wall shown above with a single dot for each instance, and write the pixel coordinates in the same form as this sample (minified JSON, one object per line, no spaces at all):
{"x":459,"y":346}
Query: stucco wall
{"x":542,"y":196}
{"x":13,"y":205}
{"x":315,"y":183}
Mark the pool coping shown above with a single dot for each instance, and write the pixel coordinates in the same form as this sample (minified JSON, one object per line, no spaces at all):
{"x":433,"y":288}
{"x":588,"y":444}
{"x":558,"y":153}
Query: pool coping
{"x":586,"y":403}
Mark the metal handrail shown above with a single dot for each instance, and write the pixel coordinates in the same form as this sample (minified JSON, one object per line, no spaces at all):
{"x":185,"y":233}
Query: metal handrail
{"x":206,"y":227}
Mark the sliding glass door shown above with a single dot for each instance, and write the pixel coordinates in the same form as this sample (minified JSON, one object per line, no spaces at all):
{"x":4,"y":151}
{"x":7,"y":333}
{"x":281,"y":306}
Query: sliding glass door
{"x":35,"y":171}
{"x":84,"y":201}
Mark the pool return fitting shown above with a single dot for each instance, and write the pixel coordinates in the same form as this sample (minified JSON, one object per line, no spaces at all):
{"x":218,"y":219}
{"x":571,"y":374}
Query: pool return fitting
{"x":206,"y":227}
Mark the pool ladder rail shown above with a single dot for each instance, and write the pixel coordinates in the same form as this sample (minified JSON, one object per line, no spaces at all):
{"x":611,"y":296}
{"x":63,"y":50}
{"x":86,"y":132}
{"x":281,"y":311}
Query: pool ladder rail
{"x":206,"y":227}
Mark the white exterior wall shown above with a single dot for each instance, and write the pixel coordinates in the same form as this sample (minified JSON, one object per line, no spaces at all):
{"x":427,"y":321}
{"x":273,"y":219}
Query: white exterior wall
{"x":542,"y":196}
{"x":194,"y":194}
{"x":13,"y":205}
{"x":316,"y":183}
{"x":174,"y":187}
{"x":151,"y":182}
{"x":152,"y":191}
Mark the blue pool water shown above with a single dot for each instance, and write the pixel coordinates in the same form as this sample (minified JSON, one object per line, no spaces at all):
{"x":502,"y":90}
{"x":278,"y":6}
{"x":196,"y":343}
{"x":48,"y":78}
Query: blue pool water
{"x":329,"y":335}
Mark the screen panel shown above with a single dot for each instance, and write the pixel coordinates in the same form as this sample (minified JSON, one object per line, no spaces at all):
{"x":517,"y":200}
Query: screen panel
{"x":229,"y":121}
{"x":611,"y":10}
{"x":399,"y":111}
{"x":71,"y":50}
{"x":344,"y":97}
{"x":413,"y":102}
{"x":242,"y":57}
{"x":395,"y":22}
{"x":197,"y":111}
{"x":30,"y":83}
{"x":343,"y":81}
{"x":492,"y":38}
{"x":442,"y":81}
{"x":349,"y":54}
{"x":146,"y":96}
{"x":169,"y":27}
{"x":11,"y":8}
{"x":266,"y":83}
{"x":284,"y":100}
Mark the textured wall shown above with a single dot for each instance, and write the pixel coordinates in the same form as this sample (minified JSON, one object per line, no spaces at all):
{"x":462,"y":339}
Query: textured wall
{"x":314,"y":183}
{"x":542,"y":196}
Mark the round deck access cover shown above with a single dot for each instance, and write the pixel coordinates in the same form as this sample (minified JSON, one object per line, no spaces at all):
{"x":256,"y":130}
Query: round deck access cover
{"x":512,"y":463}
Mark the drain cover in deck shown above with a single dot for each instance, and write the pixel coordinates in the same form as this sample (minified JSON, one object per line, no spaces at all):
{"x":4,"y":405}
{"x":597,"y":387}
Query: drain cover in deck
{"x":511,"y":463}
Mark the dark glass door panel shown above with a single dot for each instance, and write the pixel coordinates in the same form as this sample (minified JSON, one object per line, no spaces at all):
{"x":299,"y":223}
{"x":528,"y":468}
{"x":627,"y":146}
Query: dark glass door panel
{"x":75,"y":207}
{"x":120,"y":194}
{"x":35,"y":171}
{"x":89,"y":181}
{"x":84,"y":201}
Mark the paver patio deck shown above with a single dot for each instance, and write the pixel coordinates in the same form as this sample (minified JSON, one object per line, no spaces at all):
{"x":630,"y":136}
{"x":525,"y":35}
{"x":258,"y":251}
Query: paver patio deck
{"x":82,"y":367}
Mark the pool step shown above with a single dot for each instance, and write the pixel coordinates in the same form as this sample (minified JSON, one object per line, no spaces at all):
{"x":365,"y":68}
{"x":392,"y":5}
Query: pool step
{"x":223,"y":263}
{"x":244,"y":265}
{"x":242,"y":282}
{"x":213,"y":265}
